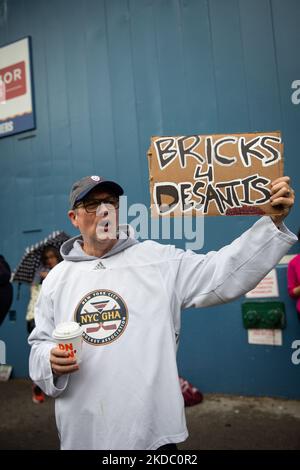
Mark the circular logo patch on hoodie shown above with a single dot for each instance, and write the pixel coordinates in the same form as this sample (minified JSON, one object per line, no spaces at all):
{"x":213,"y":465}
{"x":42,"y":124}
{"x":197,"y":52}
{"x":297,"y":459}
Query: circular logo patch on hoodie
{"x":103,"y":316}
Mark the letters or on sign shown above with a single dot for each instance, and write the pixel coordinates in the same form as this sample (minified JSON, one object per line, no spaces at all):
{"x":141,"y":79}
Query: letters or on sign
{"x":214,"y":174}
{"x":267,"y":287}
{"x":271,"y":337}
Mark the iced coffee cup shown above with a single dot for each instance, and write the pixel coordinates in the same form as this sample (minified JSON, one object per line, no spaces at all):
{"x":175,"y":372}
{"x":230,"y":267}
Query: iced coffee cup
{"x":68,"y":336}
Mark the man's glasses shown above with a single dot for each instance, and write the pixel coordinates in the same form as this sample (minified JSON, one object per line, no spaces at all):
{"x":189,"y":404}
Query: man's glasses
{"x":92,"y":204}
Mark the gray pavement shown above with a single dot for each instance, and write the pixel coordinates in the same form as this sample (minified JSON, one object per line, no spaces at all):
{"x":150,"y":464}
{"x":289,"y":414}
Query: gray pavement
{"x":219,"y":422}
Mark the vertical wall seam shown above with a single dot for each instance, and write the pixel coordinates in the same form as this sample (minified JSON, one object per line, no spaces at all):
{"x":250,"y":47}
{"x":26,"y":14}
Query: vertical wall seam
{"x":244,"y":65}
{"x":158,"y":72}
{"x":135,"y":96}
{"x":182,"y":61}
{"x":88,"y":92}
{"x":48,"y":112}
{"x":110,"y":92}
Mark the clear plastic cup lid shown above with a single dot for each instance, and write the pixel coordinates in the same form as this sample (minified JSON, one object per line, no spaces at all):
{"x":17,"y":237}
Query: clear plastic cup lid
{"x":68,"y":329}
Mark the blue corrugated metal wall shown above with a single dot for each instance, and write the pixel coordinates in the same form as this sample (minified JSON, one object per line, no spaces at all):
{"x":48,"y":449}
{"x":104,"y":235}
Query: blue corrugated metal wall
{"x":108,"y":75}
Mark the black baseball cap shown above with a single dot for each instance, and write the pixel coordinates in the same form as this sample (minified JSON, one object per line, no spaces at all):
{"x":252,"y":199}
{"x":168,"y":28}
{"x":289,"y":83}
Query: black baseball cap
{"x":82,"y":187}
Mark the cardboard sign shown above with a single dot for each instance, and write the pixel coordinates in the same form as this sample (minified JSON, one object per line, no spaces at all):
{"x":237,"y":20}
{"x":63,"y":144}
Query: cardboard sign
{"x":214,"y":174}
{"x":267,"y":287}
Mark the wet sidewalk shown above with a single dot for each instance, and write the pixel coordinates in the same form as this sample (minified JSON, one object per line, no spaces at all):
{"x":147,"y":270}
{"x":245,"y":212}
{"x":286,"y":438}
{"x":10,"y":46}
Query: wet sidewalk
{"x":219,"y":422}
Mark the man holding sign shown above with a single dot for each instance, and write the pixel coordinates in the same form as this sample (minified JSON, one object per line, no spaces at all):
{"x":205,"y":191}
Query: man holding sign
{"x":128,"y":298}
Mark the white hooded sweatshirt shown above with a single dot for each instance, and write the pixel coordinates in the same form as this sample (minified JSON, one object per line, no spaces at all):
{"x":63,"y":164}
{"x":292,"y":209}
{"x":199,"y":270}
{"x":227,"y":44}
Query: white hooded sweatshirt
{"x":126,"y":394}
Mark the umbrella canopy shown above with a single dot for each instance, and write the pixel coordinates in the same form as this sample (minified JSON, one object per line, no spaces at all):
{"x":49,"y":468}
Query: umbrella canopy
{"x":32,"y":258}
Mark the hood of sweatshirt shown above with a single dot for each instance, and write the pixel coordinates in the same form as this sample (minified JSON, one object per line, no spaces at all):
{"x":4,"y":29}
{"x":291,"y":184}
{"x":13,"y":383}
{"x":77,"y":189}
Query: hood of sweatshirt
{"x":71,"y":250}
